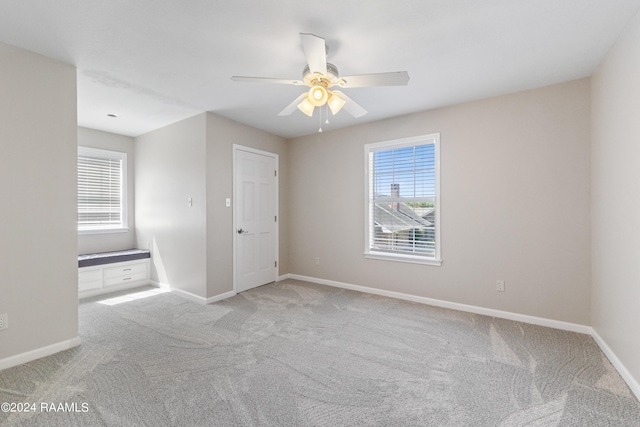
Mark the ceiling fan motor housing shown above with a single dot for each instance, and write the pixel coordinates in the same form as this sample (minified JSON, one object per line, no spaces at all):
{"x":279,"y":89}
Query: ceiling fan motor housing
{"x":319,"y":83}
{"x":326,"y":80}
{"x":320,"y":76}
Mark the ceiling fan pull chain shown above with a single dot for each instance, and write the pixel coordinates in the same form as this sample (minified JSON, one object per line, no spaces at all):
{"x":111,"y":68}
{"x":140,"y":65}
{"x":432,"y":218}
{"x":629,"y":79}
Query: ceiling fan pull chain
{"x":320,"y":76}
{"x":320,"y":119}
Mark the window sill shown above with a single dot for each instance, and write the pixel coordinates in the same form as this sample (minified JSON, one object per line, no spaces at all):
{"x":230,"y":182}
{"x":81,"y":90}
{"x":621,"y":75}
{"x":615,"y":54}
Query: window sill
{"x":103,"y":230}
{"x":403,"y":258}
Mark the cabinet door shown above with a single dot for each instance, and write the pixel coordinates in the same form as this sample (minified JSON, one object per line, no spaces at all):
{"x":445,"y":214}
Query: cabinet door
{"x":89,"y":280}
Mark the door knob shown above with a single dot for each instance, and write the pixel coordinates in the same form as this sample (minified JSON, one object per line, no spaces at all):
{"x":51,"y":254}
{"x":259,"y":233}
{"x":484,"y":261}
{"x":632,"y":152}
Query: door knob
{"x":241,"y":231}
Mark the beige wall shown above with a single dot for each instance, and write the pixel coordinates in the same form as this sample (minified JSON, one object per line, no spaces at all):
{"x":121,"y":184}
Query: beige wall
{"x":615,"y":199}
{"x":525,"y":198}
{"x":170,"y":167}
{"x":192,"y":247}
{"x":38,"y":243}
{"x":104,"y":242}
{"x":515,"y":204}
{"x":222,"y":134}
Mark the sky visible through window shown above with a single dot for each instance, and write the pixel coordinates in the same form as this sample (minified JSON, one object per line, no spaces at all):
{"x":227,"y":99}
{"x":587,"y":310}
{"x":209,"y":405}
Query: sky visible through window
{"x":412,"y":168}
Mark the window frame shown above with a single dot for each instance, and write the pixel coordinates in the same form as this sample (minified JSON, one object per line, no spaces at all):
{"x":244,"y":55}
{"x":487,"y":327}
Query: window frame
{"x":371,"y":148}
{"x":123,"y":227}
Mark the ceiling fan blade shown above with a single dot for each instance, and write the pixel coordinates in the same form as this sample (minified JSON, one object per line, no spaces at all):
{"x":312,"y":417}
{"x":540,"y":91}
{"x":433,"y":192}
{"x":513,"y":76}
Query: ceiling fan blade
{"x":315,"y":51}
{"x":289,"y":109}
{"x":398,"y":78}
{"x":266,"y":80}
{"x":351,"y":106}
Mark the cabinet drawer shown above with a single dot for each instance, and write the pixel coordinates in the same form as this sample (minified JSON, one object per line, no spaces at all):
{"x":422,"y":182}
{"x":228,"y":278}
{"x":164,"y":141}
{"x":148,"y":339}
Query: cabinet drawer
{"x":125,"y":271}
{"x":88,"y":280}
{"x":128,"y":278}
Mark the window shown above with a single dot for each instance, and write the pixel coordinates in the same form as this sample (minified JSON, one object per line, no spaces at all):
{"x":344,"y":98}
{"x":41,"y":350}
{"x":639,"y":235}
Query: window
{"x":101,"y":191}
{"x":402,"y":200}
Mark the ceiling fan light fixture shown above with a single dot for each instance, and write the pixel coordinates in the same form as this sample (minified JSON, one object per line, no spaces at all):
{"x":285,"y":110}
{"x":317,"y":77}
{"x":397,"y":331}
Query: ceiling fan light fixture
{"x":318,"y":96}
{"x":306,"y":107}
{"x":321,"y":77}
{"x":335,"y":103}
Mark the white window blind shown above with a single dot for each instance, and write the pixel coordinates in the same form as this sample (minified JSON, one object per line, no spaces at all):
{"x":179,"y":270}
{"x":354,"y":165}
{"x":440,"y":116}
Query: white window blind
{"x":101,"y":189}
{"x":402,"y":198}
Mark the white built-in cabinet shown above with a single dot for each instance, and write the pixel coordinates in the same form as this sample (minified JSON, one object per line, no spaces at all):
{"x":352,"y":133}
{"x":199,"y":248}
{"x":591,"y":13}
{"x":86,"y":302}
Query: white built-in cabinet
{"x":99,"y":279}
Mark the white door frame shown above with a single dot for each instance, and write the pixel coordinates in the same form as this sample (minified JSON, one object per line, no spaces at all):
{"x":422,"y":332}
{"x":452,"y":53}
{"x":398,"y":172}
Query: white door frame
{"x":276,"y":157}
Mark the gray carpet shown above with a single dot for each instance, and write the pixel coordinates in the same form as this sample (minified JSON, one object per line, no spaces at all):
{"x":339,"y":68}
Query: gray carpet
{"x":300,"y":354}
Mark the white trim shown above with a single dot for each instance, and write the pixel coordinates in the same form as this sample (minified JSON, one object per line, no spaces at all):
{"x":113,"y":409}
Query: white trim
{"x":193,"y":297}
{"x":633,"y":384}
{"x":85,"y":231}
{"x":112,"y":288}
{"x":160,"y":285}
{"x":38,"y":353}
{"x":234,"y":221}
{"x":401,"y":142}
{"x":124,"y":205}
{"x":557,"y":324}
{"x":220,"y":297}
{"x":433,"y":138}
{"x":276,"y":157}
{"x":413,"y":259}
{"x":181,"y":293}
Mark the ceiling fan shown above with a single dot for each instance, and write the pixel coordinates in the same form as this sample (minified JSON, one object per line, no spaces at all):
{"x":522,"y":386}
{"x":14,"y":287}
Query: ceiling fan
{"x":321,"y":76}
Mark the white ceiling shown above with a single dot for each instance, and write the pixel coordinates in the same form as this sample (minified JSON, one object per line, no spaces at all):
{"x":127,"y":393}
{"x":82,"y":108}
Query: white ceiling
{"x":155,"y":62}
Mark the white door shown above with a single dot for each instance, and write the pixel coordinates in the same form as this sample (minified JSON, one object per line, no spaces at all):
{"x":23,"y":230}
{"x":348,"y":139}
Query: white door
{"x":255,"y":210}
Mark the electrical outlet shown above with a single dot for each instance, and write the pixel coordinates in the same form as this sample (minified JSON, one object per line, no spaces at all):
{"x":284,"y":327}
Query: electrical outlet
{"x":500,"y":285}
{"x":4,"y":321}
{"x":317,"y":261}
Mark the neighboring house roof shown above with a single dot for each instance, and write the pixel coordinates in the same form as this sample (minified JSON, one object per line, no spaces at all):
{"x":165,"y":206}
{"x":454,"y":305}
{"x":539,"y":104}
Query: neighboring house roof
{"x":393,"y":220}
{"x":424,"y":212}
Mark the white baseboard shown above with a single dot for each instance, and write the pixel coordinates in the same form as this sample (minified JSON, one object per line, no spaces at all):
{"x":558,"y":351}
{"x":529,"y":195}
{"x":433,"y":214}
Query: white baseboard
{"x":573,"y":327}
{"x":193,"y":297}
{"x":38,"y":353}
{"x":633,"y":384}
{"x":540,"y":321}
{"x":220,"y":297}
{"x":111,"y":289}
{"x":29,"y":356}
